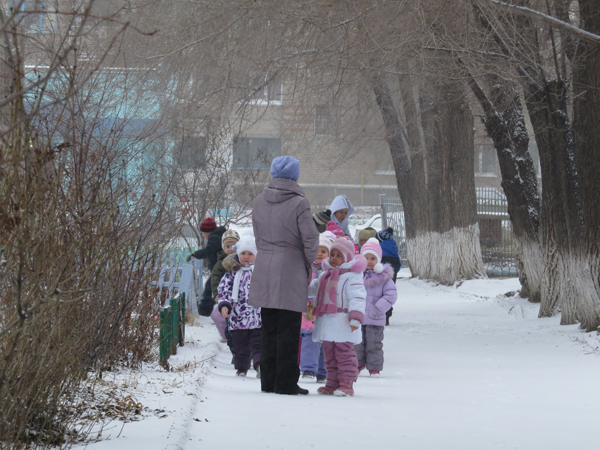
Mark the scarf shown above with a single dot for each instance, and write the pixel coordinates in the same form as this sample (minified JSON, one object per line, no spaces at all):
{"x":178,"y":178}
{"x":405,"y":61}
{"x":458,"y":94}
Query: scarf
{"x":326,"y":301}
{"x":236,"y":281}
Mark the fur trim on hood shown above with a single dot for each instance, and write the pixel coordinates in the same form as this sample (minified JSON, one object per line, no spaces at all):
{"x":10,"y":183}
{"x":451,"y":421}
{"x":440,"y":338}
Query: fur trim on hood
{"x":358,"y":264}
{"x":231,"y":263}
{"x":380,"y":278}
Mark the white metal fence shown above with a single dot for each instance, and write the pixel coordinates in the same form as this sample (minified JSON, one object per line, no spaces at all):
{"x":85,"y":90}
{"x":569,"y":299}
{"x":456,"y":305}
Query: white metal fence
{"x":495,"y":228}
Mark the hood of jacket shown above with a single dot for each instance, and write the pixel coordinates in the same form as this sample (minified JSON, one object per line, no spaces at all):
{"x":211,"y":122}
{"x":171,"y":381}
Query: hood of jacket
{"x":341,"y":202}
{"x":218,"y":232}
{"x":389,"y":247}
{"x":358,"y":264}
{"x":373,"y":278}
{"x":279,"y":190}
{"x":231,"y":263}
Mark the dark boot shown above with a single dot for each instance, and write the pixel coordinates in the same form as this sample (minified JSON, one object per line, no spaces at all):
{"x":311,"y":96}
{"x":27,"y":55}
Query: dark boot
{"x":297,"y":391}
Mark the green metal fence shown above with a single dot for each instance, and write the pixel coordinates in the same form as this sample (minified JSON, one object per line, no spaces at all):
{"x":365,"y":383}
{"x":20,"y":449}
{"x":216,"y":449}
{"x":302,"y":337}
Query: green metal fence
{"x":172,"y":327}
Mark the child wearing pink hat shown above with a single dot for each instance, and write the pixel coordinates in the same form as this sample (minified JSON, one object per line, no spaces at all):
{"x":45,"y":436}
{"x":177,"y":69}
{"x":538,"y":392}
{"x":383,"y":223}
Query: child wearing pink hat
{"x":339,"y":310}
{"x":381,"y":295}
{"x":312,"y":359}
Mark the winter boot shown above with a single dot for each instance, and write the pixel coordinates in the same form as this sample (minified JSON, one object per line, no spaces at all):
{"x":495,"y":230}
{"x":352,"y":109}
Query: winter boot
{"x":345,"y":389}
{"x":329,"y":388}
{"x":308,"y":375}
{"x":257,"y":368}
{"x":321,"y":379}
{"x":374,"y":373}
{"x":241,"y":373}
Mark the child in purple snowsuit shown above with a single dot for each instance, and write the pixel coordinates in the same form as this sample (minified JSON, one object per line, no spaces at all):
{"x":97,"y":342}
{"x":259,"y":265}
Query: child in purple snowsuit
{"x":312,"y":360}
{"x":245,"y":322}
{"x":381,"y":295}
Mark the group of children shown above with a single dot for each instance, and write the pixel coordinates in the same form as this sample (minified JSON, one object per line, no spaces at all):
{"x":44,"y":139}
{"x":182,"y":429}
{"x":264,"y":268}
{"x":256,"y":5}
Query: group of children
{"x":349,"y":295}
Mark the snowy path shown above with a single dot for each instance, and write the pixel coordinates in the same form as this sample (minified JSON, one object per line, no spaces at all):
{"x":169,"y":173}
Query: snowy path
{"x":464,"y":369}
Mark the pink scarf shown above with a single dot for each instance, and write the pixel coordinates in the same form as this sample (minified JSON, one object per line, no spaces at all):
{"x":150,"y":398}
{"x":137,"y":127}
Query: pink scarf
{"x":326,"y":301}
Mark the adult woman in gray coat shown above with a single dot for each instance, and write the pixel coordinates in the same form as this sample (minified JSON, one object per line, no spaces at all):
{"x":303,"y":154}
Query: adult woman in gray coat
{"x":287,"y":242}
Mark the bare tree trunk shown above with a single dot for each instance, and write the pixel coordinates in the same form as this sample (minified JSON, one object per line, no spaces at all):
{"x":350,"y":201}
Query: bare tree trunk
{"x":442,"y":233}
{"x":565,"y":285}
{"x":587,"y":143}
{"x":400,"y":158}
{"x":447,"y":248}
{"x":505,"y":124}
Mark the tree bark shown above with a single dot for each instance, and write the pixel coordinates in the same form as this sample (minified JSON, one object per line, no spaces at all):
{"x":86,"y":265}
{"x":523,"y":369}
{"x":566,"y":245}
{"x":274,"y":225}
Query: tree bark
{"x":435,"y":173}
{"x":586,"y":120}
{"x":565,"y":285}
{"x":505,"y":124}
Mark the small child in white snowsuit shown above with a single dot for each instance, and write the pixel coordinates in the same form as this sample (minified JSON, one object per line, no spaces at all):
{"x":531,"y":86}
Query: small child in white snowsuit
{"x":339,"y":311}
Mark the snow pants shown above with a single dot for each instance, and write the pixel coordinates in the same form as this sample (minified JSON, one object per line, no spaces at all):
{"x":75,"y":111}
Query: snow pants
{"x":206,"y":303}
{"x":340,"y":361}
{"x":246,"y":347}
{"x":279,"y":371}
{"x":370,"y":351}
{"x":312,"y":358}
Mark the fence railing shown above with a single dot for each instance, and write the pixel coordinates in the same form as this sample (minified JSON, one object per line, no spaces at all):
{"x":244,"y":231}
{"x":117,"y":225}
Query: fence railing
{"x":495,"y":229}
{"x":495,"y":232}
{"x":176,"y":275}
{"x":392,"y":215}
{"x":172,"y":328}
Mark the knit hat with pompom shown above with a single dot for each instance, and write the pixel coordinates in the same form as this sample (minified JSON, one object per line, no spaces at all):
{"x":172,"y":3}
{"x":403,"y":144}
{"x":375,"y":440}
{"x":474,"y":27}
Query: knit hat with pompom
{"x":345,"y":246}
{"x":372,"y":247}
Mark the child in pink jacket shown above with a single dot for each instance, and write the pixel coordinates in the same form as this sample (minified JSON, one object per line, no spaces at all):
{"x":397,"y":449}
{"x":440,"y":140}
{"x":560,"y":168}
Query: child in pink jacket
{"x":339,"y":311}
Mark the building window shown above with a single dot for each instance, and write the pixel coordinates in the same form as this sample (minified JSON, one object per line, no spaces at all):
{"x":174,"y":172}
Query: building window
{"x":33,"y":16}
{"x":268,"y":92}
{"x":486,"y":161}
{"x":384,"y":164}
{"x":255,"y":153}
{"x":323,"y":122}
{"x":327,"y":120}
{"x":190,"y":152}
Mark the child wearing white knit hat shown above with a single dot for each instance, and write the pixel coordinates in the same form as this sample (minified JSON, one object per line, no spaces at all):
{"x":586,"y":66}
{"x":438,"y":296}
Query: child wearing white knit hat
{"x":381,"y":295}
{"x":244,"y":320}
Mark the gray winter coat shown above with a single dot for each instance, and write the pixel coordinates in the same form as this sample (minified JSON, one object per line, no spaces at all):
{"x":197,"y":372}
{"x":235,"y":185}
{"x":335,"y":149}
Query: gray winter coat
{"x":287,"y":242}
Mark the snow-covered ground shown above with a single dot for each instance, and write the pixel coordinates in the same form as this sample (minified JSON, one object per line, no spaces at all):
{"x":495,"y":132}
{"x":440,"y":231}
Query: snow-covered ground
{"x":466,"y":367}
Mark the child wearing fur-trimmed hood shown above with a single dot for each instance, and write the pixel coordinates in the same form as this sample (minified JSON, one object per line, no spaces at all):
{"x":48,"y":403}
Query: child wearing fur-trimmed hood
{"x":339,"y":310}
{"x":381,"y":295}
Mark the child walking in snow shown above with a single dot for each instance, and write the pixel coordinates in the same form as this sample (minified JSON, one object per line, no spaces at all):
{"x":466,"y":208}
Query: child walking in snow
{"x":339,"y":311}
{"x":389,"y":254}
{"x":244,"y":320}
{"x":228,"y":241}
{"x":381,"y":295}
{"x":312,"y":360}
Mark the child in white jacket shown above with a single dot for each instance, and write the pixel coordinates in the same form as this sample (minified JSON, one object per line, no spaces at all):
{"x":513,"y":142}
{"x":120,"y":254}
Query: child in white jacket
{"x":340,"y":300}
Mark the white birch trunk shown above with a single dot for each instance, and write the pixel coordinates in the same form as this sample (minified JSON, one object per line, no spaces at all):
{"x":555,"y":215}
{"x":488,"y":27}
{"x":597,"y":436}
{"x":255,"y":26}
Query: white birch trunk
{"x":446,"y":257}
{"x":568,"y":287}
{"x":530,"y":254}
